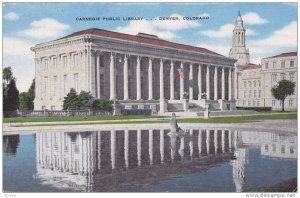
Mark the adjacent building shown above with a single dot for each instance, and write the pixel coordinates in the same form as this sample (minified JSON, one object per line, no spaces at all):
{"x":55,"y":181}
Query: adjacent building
{"x":254,"y":82}
{"x":139,"y":71}
{"x":274,"y":69}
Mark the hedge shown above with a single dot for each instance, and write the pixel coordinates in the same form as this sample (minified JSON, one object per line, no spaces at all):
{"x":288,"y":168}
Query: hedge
{"x":255,"y":108}
{"x":136,"y":111}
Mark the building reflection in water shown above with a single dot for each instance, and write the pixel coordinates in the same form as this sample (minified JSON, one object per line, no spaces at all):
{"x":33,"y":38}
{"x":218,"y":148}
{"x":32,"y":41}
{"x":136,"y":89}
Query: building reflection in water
{"x":108,"y":160}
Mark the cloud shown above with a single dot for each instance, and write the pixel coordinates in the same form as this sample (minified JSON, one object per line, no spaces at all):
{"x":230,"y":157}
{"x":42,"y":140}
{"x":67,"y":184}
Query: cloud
{"x":253,"y":18}
{"x":225,"y":31}
{"x":11,"y":16}
{"x":46,"y":28}
{"x":174,"y":25}
{"x":220,"y":48}
{"x":283,"y":38}
{"x":135,"y":27}
{"x":164,"y":29}
{"x":17,"y":54}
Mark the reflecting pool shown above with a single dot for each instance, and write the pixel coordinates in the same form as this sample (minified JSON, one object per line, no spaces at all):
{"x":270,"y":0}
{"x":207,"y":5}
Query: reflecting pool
{"x":147,"y":160}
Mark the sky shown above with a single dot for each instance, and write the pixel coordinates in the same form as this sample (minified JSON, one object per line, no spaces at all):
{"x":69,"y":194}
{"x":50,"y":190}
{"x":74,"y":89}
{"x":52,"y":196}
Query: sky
{"x":271,"y":28}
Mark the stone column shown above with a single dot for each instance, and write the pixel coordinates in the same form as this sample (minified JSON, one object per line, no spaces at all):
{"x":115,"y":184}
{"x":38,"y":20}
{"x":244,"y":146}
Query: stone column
{"x":139,"y":146}
{"x":216,"y":140}
{"x":229,"y":139}
{"x":199,"y":82}
{"x":112,"y":77}
{"x":98,"y":75}
{"x":126,"y":95}
{"x":223,"y":141}
{"x":216,"y":83}
{"x":181,"y":84}
{"x":191,"y":145}
{"x":126,"y":148}
{"x":151,"y":146}
{"x":161,"y":146}
{"x":181,"y":149}
{"x":229,"y":85}
{"x":150,"y":83}
{"x":236,"y":76}
{"x":98,"y":148}
{"x":200,"y":142}
{"x":207,"y":83}
{"x":172,"y":81}
{"x":113,"y":148}
{"x":207,"y":141}
{"x":138,"y":79}
{"x":161,"y":80}
{"x":191,"y":82}
{"x":223,"y":83}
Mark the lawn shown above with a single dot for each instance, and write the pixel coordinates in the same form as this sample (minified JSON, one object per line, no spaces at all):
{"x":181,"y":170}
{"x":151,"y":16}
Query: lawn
{"x":162,"y":119}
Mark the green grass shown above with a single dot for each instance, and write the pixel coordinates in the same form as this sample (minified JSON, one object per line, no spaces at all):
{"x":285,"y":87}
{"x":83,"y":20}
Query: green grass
{"x":238,"y":119}
{"x":233,"y":119}
{"x":78,"y":118}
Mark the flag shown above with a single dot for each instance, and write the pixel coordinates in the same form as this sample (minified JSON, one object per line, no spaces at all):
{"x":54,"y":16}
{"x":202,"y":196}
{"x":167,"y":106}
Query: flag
{"x":181,"y":74}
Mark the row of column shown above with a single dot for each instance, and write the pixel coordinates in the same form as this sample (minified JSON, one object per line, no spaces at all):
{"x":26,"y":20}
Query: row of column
{"x":161,"y":77}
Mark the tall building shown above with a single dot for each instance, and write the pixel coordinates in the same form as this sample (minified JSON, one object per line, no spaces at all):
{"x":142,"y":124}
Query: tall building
{"x":283,"y":66}
{"x":139,"y":71}
{"x":238,"y":50}
{"x":254,"y":82}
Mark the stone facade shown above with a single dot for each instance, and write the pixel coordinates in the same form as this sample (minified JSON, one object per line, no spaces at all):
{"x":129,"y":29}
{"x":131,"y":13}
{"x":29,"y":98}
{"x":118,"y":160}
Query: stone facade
{"x":275,"y":69}
{"x":139,"y":71}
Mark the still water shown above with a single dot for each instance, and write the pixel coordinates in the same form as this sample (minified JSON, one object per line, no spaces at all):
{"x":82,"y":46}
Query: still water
{"x":147,"y":160}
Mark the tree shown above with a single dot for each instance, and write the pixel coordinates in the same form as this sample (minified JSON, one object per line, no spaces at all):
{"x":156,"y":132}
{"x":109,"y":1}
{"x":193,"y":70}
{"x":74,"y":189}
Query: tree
{"x":102,"y":104}
{"x":70,"y":100}
{"x":73,"y":101}
{"x":283,"y":89}
{"x":7,"y":75}
{"x":27,"y":98}
{"x":10,"y":96}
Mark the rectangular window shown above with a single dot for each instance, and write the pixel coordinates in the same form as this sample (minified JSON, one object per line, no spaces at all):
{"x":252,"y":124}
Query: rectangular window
{"x":54,"y":63}
{"x":45,"y":86}
{"x":292,"y":63}
{"x":245,"y":94}
{"x":43,"y":108}
{"x":283,"y":76}
{"x":45,"y":64}
{"x":65,"y":61}
{"x":65,"y":85}
{"x":249,"y":83}
{"x":76,"y":82}
{"x":254,"y":83}
{"x":282,"y":64}
{"x":258,"y":93}
{"x":292,"y":76}
{"x":258,"y":103}
{"x":273,"y":103}
{"x":244,"y":102}
{"x":290,"y":103}
{"x":52,"y":108}
{"x":245,"y":84}
{"x":254,"y":93}
{"x":249,"y":103}
{"x":250,"y":93}
{"x":274,"y":77}
{"x":258,"y":83}
{"x":274,"y":64}
{"x":254,"y":103}
{"x":266,"y":65}
{"x":75,"y":60}
{"x":54,"y":86}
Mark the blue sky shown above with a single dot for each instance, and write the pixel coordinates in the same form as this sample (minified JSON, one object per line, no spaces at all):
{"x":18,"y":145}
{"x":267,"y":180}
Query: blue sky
{"x":271,"y":27}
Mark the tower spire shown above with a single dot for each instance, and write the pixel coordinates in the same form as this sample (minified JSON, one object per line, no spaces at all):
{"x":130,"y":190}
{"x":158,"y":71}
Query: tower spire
{"x":239,"y":14}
